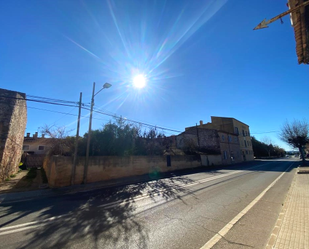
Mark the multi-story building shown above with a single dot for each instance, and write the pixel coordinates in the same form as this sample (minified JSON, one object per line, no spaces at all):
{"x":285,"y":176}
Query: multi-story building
{"x":13,"y":119}
{"x":236,"y":127}
{"x":211,"y":142}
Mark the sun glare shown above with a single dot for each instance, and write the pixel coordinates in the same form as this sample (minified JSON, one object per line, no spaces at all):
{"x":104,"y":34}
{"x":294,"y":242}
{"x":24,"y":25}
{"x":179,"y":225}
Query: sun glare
{"x":139,"y":81}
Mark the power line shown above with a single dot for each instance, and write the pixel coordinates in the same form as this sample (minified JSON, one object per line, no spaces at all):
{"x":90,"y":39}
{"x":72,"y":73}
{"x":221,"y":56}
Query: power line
{"x":134,"y":121}
{"x":50,"y":101}
{"x":264,"y":132}
{"x":60,"y":102}
{"x":64,"y":113}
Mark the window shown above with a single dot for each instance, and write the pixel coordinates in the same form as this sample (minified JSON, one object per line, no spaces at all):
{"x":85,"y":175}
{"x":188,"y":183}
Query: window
{"x":245,"y":143}
{"x":222,"y":137}
{"x":229,"y":138}
{"x":26,"y":147}
{"x":236,"y":140}
{"x":225,"y":154}
{"x":236,"y":131}
{"x":246,"y":152}
{"x":41,"y":147}
{"x":243,"y":132}
{"x":246,"y":134}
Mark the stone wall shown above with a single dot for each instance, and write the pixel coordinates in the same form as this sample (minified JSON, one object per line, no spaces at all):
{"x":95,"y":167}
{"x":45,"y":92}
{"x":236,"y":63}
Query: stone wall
{"x":205,"y":139}
{"x":13,"y":119}
{"x":58,"y":168}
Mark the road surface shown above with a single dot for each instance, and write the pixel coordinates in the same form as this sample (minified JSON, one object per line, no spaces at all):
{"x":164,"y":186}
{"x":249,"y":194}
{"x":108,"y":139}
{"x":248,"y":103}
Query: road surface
{"x":234,"y":207}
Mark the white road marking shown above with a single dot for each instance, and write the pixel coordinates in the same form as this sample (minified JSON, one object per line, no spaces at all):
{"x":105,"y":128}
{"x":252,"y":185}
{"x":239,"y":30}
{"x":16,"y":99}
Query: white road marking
{"x":214,"y":240}
{"x":28,"y":225}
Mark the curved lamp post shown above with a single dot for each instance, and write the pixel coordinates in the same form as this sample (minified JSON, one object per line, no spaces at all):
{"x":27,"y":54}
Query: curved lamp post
{"x":106,"y":85}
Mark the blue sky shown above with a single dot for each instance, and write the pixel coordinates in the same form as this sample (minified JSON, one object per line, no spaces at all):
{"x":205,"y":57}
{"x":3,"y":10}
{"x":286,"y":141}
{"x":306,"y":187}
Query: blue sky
{"x":200,"y":58}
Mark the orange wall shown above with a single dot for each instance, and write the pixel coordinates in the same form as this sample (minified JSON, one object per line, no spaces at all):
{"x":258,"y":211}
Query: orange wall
{"x":58,"y":168}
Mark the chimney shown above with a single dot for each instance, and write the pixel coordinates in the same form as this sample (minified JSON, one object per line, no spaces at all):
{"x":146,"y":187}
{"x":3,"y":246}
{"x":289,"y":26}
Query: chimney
{"x":43,"y":135}
{"x":35,"y":135}
{"x":201,"y":122}
{"x":28,"y":134}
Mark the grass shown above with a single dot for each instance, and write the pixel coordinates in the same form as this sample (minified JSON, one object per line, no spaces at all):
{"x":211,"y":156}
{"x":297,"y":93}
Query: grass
{"x":13,"y":175}
{"x":7,"y":179}
{"x":31,"y":173}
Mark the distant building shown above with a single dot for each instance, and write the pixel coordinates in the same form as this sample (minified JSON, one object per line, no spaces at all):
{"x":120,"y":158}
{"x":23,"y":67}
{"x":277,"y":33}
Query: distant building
{"x":13,"y":119}
{"x":211,"y":142}
{"x":228,"y":137}
{"x":37,"y":145}
{"x":236,"y":127}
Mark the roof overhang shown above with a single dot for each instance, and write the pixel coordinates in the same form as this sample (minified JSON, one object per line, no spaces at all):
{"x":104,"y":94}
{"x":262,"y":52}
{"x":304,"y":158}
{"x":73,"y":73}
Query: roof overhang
{"x":300,"y":22}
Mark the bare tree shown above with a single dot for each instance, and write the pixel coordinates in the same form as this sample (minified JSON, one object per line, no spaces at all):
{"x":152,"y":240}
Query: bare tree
{"x":58,"y":139}
{"x":296,"y":134}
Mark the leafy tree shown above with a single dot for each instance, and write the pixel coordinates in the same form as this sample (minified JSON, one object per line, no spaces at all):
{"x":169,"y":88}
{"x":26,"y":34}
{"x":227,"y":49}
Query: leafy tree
{"x":120,"y":138}
{"x":261,"y":149}
{"x":296,"y":135}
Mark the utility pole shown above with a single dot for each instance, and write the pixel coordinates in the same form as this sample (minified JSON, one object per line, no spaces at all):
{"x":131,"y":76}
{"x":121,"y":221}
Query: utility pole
{"x":264,"y":23}
{"x":106,"y":85}
{"x":76,"y":140}
{"x":198,"y":137}
{"x":88,"y":138}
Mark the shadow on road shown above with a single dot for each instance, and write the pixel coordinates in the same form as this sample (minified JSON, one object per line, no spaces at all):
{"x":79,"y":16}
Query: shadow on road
{"x":102,"y":218}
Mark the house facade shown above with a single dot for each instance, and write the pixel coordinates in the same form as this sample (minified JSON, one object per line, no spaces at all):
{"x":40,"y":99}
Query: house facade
{"x":13,"y":119}
{"x":36,"y":145}
{"x":222,"y":144}
{"x":237,"y":128}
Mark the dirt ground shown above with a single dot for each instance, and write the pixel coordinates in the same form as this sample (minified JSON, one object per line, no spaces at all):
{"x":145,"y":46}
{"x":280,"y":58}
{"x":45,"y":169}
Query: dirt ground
{"x":22,"y":183}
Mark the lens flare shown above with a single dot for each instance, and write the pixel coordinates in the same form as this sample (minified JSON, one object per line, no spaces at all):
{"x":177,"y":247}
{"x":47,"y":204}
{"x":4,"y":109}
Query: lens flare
{"x":139,"y":81}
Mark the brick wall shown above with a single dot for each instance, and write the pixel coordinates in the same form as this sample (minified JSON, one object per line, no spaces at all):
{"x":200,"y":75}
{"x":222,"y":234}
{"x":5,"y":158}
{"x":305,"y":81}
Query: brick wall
{"x":13,"y":119}
{"x":58,"y":168}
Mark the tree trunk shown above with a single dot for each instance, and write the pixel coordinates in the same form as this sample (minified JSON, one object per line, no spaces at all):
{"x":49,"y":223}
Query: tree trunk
{"x":301,"y":151}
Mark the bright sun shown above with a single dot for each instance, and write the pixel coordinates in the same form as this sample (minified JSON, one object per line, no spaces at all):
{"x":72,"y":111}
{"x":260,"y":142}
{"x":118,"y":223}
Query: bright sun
{"x":139,"y":81}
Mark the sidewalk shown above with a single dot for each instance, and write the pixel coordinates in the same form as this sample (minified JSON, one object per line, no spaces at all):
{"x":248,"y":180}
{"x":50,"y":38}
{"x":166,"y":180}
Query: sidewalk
{"x":292,"y":227}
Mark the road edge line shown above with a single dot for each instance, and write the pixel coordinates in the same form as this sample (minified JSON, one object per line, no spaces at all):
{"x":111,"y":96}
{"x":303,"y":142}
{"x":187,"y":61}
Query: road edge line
{"x":215,"y":239}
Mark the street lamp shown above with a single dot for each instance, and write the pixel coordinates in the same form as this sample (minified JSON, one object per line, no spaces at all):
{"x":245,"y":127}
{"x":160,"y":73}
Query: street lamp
{"x":106,"y":85}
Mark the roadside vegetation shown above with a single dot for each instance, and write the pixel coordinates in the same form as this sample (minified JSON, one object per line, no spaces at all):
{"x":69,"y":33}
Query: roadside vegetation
{"x":262,"y":149}
{"x":296,"y":134}
{"x":31,"y":173}
{"x":117,"y":138}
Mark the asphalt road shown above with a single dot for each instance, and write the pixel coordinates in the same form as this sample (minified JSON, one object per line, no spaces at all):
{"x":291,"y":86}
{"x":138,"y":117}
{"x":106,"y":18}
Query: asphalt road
{"x":234,"y":207}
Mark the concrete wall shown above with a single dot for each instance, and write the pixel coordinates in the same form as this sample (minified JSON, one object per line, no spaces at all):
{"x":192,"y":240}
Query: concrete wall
{"x":211,"y":160}
{"x":58,"y":168}
{"x":13,"y":119}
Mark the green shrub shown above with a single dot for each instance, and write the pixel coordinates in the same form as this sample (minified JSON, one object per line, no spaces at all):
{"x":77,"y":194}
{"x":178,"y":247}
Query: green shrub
{"x":31,"y":173}
{"x":44,"y":177}
{"x":13,"y":175}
